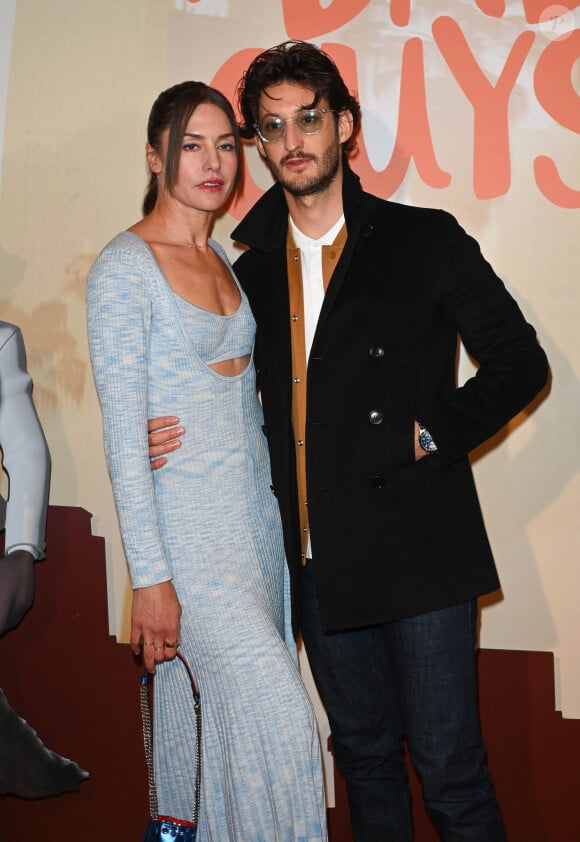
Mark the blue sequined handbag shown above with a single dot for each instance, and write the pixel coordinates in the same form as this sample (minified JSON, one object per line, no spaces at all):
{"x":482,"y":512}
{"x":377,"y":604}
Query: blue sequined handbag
{"x":166,"y":828}
{"x":170,"y":830}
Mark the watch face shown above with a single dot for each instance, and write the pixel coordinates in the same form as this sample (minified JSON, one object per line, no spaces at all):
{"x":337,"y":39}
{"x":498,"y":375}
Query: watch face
{"x":426,"y":442}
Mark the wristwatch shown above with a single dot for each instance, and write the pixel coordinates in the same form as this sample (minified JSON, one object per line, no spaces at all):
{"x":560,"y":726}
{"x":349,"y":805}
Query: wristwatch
{"x":426,"y":442}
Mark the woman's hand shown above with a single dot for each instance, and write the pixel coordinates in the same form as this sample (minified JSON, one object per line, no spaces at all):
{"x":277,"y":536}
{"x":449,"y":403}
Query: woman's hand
{"x":155,"y":623}
{"x":164,"y":436}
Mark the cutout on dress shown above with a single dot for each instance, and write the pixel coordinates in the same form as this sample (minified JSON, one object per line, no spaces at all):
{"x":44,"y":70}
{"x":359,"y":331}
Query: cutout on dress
{"x":231,"y":367}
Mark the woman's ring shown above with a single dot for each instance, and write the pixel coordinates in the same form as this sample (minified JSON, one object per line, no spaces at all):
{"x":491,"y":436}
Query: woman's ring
{"x":173,"y":645}
{"x":148,"y":644}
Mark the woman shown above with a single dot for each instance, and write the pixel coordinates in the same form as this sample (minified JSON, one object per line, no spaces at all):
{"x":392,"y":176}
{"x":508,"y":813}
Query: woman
{"x":171,"y":330}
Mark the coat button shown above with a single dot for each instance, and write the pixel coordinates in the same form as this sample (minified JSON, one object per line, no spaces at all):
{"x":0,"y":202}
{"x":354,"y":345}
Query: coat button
{"x":378,"y":481}
{"x":375,"y":416}
{"x":376,"y":352}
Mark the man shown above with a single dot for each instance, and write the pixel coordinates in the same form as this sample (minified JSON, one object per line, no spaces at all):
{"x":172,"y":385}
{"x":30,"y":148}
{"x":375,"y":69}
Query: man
{"x":359,"y":304}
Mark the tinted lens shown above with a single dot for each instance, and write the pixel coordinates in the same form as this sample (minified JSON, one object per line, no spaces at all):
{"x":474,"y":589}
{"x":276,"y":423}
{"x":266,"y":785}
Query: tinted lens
{"x":310,"y":122}
{"x":272,"y":128}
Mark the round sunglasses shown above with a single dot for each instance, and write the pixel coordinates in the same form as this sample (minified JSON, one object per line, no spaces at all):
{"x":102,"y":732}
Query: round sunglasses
{"x":309,"y":121}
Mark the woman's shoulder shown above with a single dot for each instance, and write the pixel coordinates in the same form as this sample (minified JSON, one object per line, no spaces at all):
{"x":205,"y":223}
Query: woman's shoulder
{"x":125,"y":255}
{"x":126,"y":244}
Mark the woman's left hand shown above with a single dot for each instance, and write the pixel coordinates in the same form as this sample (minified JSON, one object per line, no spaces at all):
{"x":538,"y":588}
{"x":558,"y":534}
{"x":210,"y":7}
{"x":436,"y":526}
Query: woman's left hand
{"x":155,"y":620}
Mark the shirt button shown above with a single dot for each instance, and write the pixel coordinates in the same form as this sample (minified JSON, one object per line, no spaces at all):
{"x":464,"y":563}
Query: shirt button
{"x":375,"y":416}
{"x":378,"y":481}
{"x":294,"y":318}
{"x":376,"y":352}
{"x":296,"y":380}
{"x":300,"y":442}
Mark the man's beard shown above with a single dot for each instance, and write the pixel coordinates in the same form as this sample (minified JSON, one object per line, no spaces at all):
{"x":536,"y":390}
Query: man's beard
{"x":317,"y":183}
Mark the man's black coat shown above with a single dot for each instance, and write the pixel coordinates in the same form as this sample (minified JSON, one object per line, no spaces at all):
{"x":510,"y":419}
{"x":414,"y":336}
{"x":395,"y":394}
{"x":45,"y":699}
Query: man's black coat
{"x":391,"y":537}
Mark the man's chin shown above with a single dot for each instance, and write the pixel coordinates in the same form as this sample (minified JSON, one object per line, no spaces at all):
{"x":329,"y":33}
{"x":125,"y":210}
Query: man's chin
{"x":298,"y":188}
{"x":308,"y":187}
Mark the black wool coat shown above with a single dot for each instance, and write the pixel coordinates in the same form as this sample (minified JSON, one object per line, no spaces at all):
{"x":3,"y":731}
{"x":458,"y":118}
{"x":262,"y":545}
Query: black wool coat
{"x":391,"y":537}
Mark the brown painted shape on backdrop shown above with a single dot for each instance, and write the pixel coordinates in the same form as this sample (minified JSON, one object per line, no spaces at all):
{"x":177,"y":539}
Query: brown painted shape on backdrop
{"x":78,"y":688}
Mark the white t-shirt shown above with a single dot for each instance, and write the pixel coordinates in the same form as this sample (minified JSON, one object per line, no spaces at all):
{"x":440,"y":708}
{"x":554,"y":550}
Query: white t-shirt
{"x":313,"y":285}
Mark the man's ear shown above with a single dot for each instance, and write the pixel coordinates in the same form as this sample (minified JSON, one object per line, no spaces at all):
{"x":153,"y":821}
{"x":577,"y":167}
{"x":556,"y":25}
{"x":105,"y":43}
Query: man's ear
{"x":260,"y":146}
{"x":345,"y":125}
{"x":153,"y":159}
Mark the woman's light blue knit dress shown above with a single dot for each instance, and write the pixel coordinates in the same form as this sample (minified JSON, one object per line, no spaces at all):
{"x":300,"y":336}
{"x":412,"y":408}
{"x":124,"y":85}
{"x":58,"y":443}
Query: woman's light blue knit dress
{"x":209,"y":522}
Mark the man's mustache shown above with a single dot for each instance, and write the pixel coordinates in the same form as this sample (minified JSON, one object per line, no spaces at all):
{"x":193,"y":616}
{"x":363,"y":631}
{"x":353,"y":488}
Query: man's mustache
{"x":294,"y":155}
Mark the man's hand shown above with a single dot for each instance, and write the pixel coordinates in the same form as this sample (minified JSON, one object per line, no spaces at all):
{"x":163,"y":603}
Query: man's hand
{"x":155,"y":623}
{"x":163,"y":438}
{"x":16,"y":587}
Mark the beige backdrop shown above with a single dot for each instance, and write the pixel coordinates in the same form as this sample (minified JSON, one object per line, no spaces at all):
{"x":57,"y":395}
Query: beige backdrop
{"x":500,"y":99}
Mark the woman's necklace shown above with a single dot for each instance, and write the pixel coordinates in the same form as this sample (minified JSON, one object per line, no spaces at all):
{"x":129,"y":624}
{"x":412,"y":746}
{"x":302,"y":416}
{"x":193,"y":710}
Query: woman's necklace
{"x":165,"y":239}
{"x":189,"y":243}
{"x":164,"y":235}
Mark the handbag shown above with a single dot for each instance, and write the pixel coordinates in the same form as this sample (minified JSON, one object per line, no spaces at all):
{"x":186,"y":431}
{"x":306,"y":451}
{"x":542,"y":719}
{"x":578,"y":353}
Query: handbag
{"x":167,"y":828}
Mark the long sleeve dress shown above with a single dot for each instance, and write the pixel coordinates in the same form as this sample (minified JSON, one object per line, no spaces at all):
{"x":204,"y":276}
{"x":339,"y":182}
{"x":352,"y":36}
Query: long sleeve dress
{"x":208,"y":522}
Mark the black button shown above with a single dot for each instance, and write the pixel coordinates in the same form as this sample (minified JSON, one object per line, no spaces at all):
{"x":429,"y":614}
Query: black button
{"x":376,"y":416}
{"x":379,"y":481}
{"x":376,"y":352}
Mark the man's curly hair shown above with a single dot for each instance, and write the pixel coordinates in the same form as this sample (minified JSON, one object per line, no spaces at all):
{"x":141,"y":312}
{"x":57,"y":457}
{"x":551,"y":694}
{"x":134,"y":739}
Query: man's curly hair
{"x":301,"y":63}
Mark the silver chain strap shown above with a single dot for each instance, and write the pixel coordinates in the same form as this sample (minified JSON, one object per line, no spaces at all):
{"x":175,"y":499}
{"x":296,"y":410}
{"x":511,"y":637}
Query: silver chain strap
{"x":148,"y":742}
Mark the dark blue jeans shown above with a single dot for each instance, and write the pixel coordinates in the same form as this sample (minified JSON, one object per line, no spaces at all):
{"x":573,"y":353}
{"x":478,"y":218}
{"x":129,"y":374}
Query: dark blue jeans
{"x":411,"y":681}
